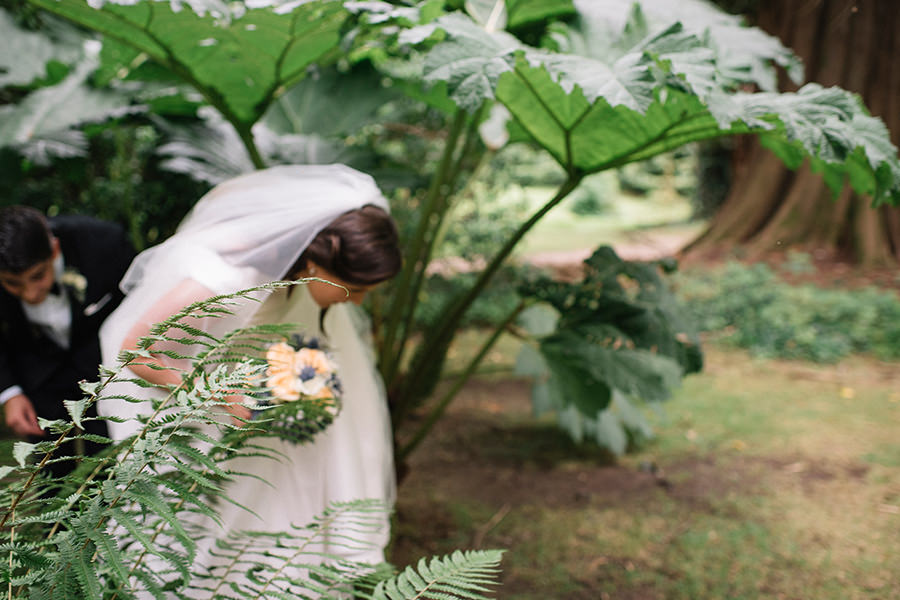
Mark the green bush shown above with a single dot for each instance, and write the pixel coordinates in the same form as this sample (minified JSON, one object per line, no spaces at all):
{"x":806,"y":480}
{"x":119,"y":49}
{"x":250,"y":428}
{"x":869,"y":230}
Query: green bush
{"x":594,"y":196}
{"x":491,"y":307}
{"x":772,"y":318}
{"x":119,"y":180}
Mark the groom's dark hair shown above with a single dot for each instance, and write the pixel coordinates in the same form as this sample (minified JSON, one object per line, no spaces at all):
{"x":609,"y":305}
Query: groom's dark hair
{"x":360,"y":246}
{"x":25,"y":238}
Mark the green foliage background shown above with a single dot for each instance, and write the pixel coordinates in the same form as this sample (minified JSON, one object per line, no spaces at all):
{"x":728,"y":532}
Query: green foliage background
{"x":754,"y":308}
{"x":119,"y":180}
{"x":427,"y":97}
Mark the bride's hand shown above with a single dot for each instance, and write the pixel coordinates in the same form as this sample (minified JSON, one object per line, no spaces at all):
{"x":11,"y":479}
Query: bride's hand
{"x":240,"y":414}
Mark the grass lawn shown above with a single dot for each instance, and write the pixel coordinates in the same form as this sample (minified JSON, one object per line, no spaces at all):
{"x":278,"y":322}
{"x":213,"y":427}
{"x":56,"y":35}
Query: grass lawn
{"x":562,"y":230}
{"x":767,"y":479}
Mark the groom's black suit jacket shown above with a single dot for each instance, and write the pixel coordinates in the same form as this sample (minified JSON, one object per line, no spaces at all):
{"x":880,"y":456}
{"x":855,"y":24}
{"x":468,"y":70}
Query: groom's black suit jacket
{"x":46,"y":372}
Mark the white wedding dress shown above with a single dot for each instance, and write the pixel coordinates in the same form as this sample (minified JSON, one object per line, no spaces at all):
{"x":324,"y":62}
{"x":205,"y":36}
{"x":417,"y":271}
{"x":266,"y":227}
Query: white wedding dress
{"x":351,"y":460}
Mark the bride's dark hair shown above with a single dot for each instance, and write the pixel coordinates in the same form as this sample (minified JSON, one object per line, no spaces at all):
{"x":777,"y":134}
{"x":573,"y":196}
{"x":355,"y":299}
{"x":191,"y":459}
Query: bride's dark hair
{"x":360,"y":246}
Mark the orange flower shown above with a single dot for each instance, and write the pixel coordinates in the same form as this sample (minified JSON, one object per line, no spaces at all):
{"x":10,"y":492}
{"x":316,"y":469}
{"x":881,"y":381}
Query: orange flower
{"x":281,"y":377}
{"x":310,"y":357}
{"x":283,"y":386}
{"x":324,"y":394}
{"x":280,"y":357}
{"x":294,"y":373}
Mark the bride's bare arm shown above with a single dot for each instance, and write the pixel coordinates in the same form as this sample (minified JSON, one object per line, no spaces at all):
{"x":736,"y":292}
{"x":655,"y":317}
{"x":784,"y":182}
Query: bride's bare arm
{"x":185,"y":293}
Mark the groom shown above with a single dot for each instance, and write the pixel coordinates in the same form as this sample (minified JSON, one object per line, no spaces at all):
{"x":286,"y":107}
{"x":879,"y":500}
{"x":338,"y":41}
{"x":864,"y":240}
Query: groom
{"x":58,"y":281}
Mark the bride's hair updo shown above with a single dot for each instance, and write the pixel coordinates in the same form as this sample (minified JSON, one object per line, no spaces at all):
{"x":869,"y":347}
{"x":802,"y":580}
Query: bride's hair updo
{"x":360,"y":246}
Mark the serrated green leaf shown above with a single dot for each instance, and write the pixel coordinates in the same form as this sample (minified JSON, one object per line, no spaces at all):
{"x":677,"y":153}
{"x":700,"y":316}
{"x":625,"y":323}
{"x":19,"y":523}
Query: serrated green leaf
{"x":240,"y":61}
{"x":526,"y":12}
{"x":610,"y":432}
{"x":21,"y":452}
{"x":470,"y":61}
{"x":539,"y":319}
{"x":24,"y":55}
{"x":598,"y":110}
{"x":572,"y":382}
{"x":43,"y":120}
{"x":76,"y":409}
{"x":745,"y":54}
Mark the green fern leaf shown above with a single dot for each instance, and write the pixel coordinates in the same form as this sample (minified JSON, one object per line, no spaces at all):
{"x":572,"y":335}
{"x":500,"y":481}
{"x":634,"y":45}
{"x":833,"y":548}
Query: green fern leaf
{"x":135,"y":530}
{"x":462,"y":576}
{"x":21,"y":452}
{"x":150,"y":584}
{"x":109,"y":552}
{"x":76,"y":409}
{"x":78,"y":556}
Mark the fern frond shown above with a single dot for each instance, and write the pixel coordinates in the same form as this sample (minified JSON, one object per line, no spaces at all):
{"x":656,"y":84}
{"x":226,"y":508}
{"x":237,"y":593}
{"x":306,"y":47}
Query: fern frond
{"x":108,"y":549}
{"x":461,"y":575}
{"x":116,"y":527}
{"x":78,"y":556}
{"x":149,"y":496}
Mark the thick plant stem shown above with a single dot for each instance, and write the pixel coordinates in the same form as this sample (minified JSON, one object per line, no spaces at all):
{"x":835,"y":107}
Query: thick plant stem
{"x":392,"y":350}
{"x":441,"y":211}
{"x":12,"y":540}
{"x":441,"y":407}
{"x":446,"y":327}
{"x":246,"y":136}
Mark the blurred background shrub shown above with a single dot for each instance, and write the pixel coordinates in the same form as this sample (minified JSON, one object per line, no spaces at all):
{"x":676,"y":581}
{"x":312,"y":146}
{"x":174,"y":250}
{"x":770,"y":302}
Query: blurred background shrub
{"x":756,"y":310}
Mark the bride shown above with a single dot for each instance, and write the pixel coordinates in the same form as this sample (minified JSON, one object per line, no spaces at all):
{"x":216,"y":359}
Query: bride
{"x":288,"y":222}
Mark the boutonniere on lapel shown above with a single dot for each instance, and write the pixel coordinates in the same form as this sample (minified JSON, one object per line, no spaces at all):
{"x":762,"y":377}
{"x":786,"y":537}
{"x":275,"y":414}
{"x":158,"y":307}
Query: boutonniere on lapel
{"x":74,"y":282}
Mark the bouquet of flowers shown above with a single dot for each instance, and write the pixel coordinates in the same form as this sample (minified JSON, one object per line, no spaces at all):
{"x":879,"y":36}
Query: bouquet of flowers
{"x":302,"y":390}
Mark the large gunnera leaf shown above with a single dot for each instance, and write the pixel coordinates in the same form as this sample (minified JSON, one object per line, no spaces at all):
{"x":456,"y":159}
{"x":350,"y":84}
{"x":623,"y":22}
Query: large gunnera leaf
{"x":598,"y":103}
{"x":239,"y":57}
{"x":744,"y":54}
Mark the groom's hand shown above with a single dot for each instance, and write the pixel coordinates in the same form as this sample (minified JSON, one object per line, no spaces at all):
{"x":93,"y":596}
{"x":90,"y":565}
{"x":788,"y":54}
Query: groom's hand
{"x":20,"y":416}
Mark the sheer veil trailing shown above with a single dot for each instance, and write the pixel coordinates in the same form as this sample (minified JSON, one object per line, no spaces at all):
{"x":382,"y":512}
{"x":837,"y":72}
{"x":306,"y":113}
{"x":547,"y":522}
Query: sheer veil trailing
{"x":246,"y":231}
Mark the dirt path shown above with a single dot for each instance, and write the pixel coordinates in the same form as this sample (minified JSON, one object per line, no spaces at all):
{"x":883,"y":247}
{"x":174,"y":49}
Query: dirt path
{"x":639,"y":245}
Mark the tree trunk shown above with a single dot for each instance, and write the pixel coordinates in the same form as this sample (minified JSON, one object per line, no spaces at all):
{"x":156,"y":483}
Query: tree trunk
{"x":854,"y":44}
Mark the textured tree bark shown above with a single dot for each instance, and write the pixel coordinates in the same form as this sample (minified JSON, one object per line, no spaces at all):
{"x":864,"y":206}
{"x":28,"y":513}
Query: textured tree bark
{"x":854,"y":44}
